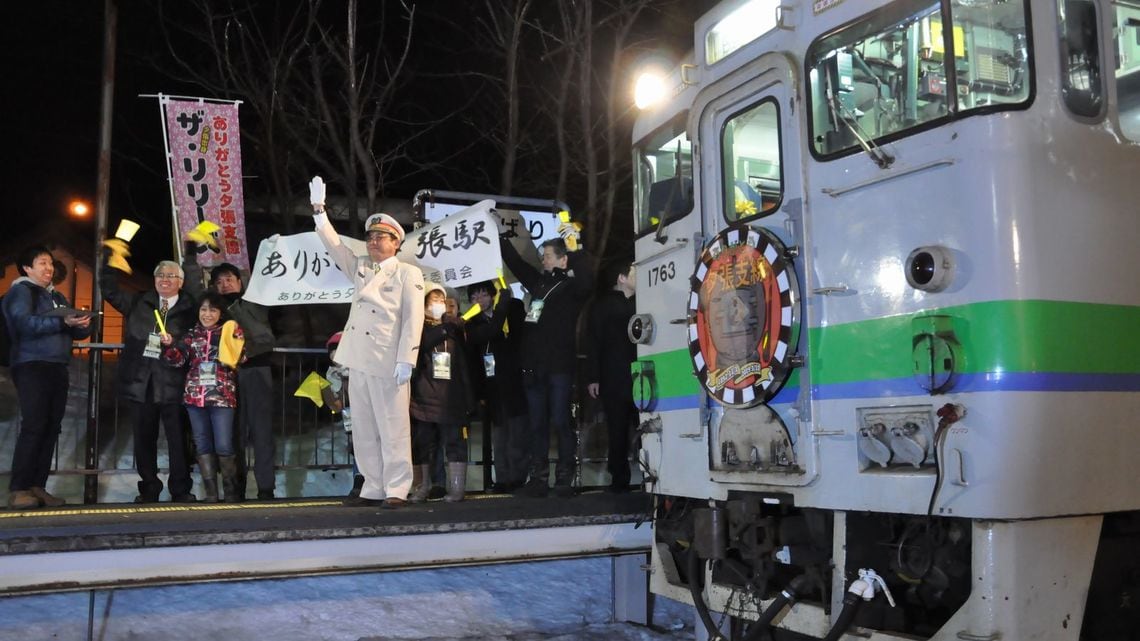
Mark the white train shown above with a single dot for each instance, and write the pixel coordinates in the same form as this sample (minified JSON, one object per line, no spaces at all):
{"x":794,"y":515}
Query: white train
{"x":889,"y":333}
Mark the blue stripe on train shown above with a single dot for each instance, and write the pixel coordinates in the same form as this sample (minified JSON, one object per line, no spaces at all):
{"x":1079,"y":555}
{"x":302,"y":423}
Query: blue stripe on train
{"x":966,"y":383}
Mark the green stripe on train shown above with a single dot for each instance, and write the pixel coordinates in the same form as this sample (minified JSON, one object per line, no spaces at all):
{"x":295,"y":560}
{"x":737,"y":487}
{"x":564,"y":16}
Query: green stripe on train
{"x":1010,"y":336}
{"x":674,"y":374}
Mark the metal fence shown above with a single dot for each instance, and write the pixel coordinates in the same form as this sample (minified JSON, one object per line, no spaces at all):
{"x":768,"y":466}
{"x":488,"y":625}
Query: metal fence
{"x":96,"y":440}
{"x":96,"y":447}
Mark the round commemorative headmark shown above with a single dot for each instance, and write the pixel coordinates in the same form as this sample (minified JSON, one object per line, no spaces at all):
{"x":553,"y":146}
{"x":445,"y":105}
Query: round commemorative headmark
{"x":743,"y":316}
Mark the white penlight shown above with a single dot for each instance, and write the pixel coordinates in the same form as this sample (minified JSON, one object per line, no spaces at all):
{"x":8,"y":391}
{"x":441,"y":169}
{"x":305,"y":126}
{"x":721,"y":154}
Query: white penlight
{"x":649,"y":90}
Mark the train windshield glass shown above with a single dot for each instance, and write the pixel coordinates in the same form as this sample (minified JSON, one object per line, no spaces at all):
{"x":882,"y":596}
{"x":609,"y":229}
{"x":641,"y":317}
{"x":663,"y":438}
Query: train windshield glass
{"x":1127,"y":29}
{"x":664,"y":164}
{"x":751,"y":146}
{"x":901,"y":69}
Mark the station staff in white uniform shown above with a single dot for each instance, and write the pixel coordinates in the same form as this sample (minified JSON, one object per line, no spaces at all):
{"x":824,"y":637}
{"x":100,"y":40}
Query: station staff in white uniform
{"x":379,"y":345}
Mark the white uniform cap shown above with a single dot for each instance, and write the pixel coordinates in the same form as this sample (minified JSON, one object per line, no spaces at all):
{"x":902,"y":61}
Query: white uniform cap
{"x":384,"y":223}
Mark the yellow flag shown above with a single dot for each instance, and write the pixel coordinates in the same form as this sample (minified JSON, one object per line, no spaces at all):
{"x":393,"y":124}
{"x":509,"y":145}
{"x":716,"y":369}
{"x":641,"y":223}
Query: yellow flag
{"x":311,"y":388}
{"x":203,"y":234}
{"x":230,"y":347}
{"x":120,"y":252}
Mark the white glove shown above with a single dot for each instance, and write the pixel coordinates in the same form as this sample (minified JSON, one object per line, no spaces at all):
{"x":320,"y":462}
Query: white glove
{"x":317,"y":192}
{"x":403,"y":373}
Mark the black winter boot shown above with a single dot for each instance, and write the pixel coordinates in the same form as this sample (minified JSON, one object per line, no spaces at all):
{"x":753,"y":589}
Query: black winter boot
{"x":228,"y":464}
{"x":421,"y":483}
{"x":208,"y":466}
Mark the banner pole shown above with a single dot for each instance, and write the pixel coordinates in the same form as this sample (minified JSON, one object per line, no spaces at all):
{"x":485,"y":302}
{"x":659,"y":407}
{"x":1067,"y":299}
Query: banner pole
{"x":162,"y":100}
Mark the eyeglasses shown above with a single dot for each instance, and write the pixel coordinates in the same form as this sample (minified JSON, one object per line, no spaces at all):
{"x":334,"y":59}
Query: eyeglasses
{"x":377,"y":235}
{"x":166,"y":277}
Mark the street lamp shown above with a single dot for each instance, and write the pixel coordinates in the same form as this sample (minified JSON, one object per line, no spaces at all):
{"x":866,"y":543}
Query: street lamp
{"x":78,"y":208}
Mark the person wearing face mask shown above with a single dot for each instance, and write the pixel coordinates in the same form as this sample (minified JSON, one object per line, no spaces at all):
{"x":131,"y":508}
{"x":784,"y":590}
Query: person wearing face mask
{"x":40,"y":353}
{"x":379,"y":345}
{"x":441,"y":400}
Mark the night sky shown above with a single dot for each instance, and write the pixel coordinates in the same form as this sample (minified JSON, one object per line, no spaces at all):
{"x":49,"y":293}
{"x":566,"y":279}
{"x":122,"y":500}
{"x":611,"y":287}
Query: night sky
{"x":51,"y":109}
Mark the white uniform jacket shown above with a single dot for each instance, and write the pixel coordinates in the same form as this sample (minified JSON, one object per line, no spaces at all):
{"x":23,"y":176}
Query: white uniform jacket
{"x":387,"y":314}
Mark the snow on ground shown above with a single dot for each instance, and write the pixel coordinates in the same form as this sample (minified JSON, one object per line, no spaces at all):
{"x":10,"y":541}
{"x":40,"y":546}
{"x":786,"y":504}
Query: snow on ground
{"x":551,"y":600}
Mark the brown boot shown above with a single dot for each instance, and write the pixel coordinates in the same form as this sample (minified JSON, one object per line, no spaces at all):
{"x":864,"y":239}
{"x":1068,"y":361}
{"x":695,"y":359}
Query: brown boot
{"x":45,"y":498}
{"x":22,"y":500}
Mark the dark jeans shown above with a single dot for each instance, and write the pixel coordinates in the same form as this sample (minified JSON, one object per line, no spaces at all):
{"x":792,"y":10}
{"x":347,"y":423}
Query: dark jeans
{"x":510,"y":440}
{"x":620,"y":414}
{"x":427,"y":436}
{"x":548,"y":399}
{"x":213,"y":429}
{"x":42,"y":391}
{"x":145,"y":426}
{"x":255,"y":406}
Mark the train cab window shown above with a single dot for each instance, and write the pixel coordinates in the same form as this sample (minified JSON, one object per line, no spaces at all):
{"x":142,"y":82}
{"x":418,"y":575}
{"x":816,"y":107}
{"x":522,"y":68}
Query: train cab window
{"x":1081,"y":87}
{"x":902,"y":69}
{"x":750,"y":145}
{"x":664,"y":164}
{"x":1126,"y":23}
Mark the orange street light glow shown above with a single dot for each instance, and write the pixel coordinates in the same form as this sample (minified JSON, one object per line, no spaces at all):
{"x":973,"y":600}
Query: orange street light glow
{"x":78,"y":208}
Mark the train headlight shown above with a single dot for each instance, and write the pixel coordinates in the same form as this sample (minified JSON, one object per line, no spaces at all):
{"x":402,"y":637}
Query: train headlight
{"x":649,"y":90}
{"x":930,"y":268}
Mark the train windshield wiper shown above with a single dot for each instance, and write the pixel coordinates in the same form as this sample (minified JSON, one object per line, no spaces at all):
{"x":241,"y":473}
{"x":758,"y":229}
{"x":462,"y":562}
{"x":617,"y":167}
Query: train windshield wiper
{"x":849,"y":120}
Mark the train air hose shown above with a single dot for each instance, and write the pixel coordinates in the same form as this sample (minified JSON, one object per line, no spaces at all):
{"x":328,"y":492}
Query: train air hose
{"x":862,"y":589}
{"x":851,"y":603}
{"x":694,"y":571}
{"x":795,"y":587}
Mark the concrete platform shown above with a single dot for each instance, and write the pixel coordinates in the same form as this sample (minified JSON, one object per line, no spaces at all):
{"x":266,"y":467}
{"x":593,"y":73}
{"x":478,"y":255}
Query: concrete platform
{"x":80,"y":548}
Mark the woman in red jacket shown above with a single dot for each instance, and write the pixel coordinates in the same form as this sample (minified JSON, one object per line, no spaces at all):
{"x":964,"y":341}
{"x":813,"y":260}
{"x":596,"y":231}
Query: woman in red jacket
{"x":210,"y":393}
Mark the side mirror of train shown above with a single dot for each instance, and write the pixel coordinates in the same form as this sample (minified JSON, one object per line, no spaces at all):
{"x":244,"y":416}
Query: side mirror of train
{"x":930,"y":268}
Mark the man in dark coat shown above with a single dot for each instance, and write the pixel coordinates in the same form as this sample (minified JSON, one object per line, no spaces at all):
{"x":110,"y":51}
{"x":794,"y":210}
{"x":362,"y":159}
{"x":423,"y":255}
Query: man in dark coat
{"x":151,"y":389}
{"x":40,"y":354}
{"x":255,"y":380}
{"x":549,"y":356}
{"x":495,"y":339}
{"x":609,"y":354}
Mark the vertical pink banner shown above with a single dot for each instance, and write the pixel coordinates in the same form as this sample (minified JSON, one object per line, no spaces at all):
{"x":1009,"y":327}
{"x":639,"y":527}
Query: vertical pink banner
{"x":205,"y":169}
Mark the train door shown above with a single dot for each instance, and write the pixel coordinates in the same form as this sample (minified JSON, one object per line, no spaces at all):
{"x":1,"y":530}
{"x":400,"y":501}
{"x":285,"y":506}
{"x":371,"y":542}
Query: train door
{"x":745,"y":300}
{"x":669,"y":233}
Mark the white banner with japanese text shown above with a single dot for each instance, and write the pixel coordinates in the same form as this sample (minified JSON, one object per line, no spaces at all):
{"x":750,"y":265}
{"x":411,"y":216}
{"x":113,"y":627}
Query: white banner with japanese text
{"x":204,"y":152}
{"x":457,"y":251}
{"x":297,"y":270}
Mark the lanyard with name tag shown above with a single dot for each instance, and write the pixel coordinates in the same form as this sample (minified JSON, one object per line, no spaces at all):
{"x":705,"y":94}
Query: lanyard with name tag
{"x":207,"y":373}
{"x":153,"y":347}
{"x":441,"y":365}
{"x":536,"y":305}
{"x":535,"y":311}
